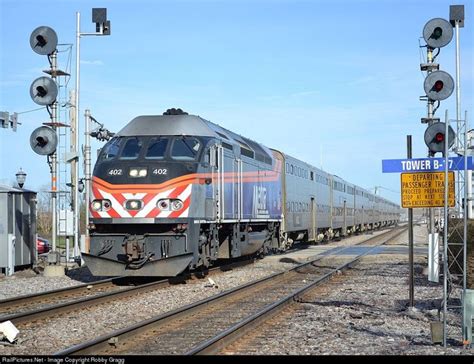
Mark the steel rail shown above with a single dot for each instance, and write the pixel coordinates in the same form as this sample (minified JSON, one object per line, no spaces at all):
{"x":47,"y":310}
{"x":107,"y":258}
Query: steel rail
{"x":93,"y":346}
{"x":232,"y":334}
{"x":86,"y":287}
{"x":48,"y":311}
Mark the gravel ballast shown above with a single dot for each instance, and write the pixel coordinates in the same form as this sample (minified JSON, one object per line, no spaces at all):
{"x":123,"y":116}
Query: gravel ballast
{"x":360,"y":312}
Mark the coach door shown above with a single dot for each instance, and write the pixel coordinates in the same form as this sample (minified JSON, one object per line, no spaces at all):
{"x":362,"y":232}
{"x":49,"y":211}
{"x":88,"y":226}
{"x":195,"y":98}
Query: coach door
{"x":344,"y":222}
{"x":313,"y":230}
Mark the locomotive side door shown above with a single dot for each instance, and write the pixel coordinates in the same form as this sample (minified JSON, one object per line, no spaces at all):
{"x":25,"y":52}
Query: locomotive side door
{"x":218,"y":169}
{"x":238,"y":211}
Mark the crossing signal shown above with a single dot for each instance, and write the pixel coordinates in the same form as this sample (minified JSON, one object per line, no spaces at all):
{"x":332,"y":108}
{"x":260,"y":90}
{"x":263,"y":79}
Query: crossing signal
{"x":435,"y":137}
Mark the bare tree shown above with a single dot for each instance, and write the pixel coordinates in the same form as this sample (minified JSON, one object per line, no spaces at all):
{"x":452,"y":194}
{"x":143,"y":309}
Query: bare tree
{"x":44,"y":221}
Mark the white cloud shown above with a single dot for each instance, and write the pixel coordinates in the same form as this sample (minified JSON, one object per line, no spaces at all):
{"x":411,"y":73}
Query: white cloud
{"x":96,"y":62}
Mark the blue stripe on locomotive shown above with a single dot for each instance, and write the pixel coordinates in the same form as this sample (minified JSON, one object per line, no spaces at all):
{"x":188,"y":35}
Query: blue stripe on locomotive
{"x":261,"y":200}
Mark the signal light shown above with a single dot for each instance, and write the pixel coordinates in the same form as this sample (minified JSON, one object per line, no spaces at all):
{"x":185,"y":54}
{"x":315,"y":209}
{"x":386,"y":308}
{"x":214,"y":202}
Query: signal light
{"x":44,"y":91}
{"x":44,"y":140}
{"x":438,"y":86}
{"x":41,"y":91}
{"x":435,"y":137}
{"x":43,"y":40}
{"x":439,"y":137}
{"x":40,"y":41}
{"x":437,"y":33}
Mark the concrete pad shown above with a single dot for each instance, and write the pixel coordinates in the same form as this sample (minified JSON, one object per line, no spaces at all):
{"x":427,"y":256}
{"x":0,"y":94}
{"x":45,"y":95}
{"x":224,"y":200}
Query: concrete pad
{"x":299,"y":256}
{"x":54,"y":271}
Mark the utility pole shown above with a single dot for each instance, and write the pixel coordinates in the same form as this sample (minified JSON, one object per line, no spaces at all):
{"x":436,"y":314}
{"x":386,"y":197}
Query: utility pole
{"x":99,"y":17}
{"x":87,"y":169}
{"x":410,"y":239}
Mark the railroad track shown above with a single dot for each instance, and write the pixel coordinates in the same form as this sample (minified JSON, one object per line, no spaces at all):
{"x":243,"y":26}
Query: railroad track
{"x":41,"y":305}
{"x":24,"y":309}
{"x":224,"y":317}
{"x":26,"y":302}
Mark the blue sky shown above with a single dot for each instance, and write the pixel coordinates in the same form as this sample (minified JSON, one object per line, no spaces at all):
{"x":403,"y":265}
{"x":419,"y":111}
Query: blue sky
{"x":334,"y":83}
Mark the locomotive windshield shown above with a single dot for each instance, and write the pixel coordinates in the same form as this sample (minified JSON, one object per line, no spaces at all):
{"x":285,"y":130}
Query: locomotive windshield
{"x":111,"y":149}
{"x":179,"y":148}
{"x":132,"y":148}
{"x":156,"y":148}
{"x":185,"y":148}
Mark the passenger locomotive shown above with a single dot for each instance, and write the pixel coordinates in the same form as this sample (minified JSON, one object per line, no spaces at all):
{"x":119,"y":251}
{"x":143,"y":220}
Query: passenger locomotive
{"x":177,"y":192}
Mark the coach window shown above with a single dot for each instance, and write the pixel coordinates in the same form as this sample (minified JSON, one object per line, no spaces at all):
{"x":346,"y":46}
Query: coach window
{"x":132,"y":147}
{"x":185,"y":148}
{"x":156,"y":148}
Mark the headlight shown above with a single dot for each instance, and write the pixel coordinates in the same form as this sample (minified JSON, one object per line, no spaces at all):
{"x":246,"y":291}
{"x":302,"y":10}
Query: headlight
{"x":163,"y":205}
{"x":176,"y":205}
{"x":101,"y":205}
{"x":137,"y":172}
{"x":133,"y":204}
{"x":96,"y":205}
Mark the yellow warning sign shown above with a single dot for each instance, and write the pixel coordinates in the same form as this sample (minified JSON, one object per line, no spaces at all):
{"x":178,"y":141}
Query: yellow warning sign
{"x":426,"y":189}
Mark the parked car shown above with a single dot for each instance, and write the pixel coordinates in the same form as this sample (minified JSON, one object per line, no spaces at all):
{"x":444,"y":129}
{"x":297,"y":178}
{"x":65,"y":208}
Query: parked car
{"x":42,"y":245}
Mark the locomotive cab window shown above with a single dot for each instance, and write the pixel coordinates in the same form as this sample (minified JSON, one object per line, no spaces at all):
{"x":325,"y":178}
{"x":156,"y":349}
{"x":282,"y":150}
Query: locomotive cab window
{"x":156,"y":148}
{"x":111,"y":149}
{"x":131,"y":149}
{"x":185,"y":148}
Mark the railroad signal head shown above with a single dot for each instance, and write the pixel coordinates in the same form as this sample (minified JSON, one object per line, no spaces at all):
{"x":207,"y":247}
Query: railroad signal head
{"x":44,"y":140}
{"x":438,"y":85}
{"x":43,"y":91}
{"x":43,"y":40}
{"x":435,"y":137}
{"x":437,"y":33}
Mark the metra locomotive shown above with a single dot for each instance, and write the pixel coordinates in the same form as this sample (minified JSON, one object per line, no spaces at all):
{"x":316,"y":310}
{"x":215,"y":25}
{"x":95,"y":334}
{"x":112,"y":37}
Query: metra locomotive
{"x":177,"y":192}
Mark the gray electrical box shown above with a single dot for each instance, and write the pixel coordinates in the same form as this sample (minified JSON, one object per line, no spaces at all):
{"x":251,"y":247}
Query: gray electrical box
{"x":17,"y":227}
{"x":468,"y":315}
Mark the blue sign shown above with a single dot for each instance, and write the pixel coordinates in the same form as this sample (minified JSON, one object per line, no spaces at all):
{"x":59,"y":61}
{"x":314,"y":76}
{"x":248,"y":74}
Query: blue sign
{"x":424,"y":164}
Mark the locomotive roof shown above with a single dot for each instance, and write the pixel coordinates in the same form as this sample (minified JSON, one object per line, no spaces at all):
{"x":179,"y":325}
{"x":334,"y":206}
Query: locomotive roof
{"x":188,"y":125}
{"x":167,"y":125}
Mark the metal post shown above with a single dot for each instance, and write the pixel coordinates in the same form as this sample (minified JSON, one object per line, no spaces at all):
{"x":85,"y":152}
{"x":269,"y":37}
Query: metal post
{"x":429,"y":58}
{"x":445,"y":233}
{"x":77,"y":206}
{"x":74,"y":171}
{"x":458,"y":114}
{"x":54,"y":160}
{"x":410,"y":237}
{"x":87,"y":171}
{"x":467,"y":213}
